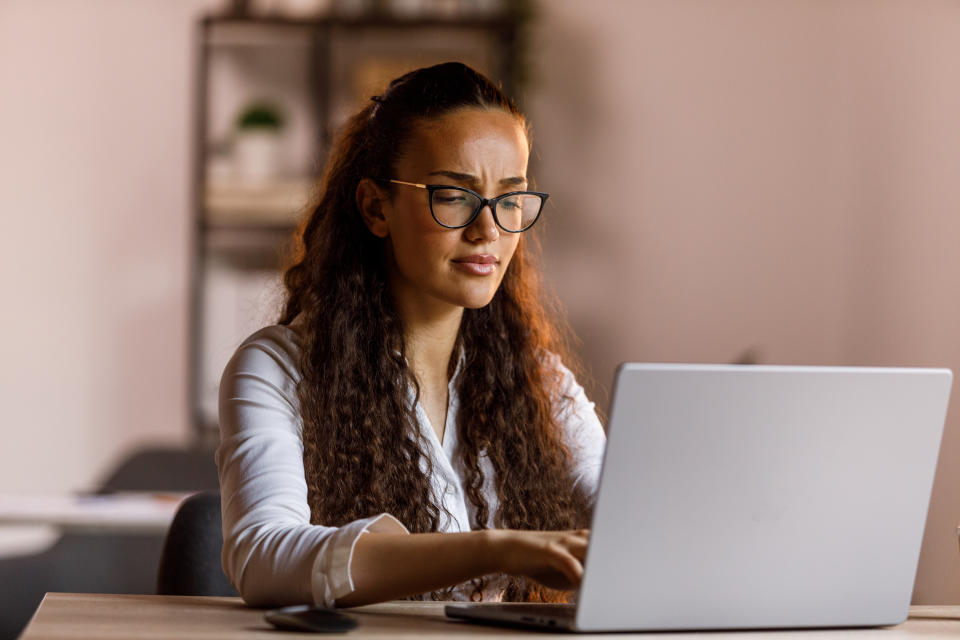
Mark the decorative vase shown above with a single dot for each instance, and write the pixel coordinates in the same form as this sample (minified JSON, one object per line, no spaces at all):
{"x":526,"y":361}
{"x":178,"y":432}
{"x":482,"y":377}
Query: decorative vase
{"x":257,"y":153}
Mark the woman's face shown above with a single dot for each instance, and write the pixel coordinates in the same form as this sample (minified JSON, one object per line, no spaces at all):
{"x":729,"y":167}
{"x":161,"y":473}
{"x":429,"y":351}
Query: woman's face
{"x":483,"y":150}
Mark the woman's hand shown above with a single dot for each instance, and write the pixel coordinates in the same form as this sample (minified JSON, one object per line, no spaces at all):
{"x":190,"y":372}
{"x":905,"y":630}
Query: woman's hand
{"x":394,"y":565}
{"x":552,"y":558}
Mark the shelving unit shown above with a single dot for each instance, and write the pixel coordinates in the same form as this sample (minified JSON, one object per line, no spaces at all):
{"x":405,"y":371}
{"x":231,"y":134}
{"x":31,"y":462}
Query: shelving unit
{"x":320,"y":71}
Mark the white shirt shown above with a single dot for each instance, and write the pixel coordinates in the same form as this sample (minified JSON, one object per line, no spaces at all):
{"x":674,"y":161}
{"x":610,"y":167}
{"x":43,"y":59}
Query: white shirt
{"x":271,"y":552}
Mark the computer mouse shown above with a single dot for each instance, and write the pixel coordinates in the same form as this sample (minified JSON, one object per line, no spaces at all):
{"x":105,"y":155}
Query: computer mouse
{"x":305,"y":617}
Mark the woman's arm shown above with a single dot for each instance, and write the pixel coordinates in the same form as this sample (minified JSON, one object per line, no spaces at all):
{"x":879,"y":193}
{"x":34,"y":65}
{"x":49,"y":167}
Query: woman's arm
{"x":387,"y":566}
{"x":272,"y":554}
{"x":581,"y":429}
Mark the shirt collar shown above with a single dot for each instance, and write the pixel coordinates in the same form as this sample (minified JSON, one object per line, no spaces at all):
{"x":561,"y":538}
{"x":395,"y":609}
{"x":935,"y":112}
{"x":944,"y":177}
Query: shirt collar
{"x":461,"y":358}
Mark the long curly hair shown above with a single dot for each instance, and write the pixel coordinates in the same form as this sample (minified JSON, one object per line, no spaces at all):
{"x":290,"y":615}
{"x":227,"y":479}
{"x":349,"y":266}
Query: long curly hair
{"x":363,"y":452}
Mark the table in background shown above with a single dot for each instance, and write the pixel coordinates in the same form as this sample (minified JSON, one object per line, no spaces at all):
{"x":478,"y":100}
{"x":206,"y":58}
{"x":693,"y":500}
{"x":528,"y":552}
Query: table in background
{"x":108,"y":617}
{"x":32,"y":523}
{"x":123,"y":512}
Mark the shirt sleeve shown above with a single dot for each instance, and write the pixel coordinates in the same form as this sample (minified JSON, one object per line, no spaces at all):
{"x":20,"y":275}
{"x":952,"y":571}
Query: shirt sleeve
{"x":582,"y":431}
{"x":271,"y":553}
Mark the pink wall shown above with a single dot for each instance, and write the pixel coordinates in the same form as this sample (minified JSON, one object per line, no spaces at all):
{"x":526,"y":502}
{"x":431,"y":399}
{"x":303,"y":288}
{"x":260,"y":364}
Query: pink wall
{"x":94,"y":194}
{"x":747,"y":175}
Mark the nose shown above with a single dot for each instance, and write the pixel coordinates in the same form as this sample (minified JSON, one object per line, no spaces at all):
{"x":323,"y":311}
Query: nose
{"x":484,"y":227}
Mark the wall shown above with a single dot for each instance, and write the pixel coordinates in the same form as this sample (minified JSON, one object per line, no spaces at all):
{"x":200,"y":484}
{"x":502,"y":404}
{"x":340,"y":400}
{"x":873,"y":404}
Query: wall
{"x":94,"y":190}
{"x":729,"y":176}
{"x":770,"y":180}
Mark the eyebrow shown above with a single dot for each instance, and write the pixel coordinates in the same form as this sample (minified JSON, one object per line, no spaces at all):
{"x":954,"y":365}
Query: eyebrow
{"x":470,"y":179}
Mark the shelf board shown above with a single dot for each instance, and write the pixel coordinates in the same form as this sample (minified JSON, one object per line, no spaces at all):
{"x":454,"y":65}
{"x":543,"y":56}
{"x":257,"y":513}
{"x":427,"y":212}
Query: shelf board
{"x":250,"y":34}
{"x":266,"y":229}
{"x":249,"y":247}
{"x":465,"y":20}
{"x":243,"y":31}
{"x":279,"y":203}
{"x":250,"y":219}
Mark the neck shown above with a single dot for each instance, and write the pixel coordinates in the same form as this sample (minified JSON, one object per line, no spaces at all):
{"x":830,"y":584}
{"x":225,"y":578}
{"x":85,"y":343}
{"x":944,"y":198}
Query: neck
{"x":429,"y":341}
{"x":430,"y":330}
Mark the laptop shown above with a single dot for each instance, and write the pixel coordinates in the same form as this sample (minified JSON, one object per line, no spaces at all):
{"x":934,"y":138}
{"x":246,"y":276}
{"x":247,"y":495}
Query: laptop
{"x":746,"y":497}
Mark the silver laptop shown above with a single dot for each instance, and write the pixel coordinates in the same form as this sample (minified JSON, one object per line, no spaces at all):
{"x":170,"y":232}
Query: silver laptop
{"x":738,"y":497}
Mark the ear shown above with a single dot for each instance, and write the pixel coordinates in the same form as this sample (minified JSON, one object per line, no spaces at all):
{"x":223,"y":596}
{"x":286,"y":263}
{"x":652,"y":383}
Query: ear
{"x":371,"y":201}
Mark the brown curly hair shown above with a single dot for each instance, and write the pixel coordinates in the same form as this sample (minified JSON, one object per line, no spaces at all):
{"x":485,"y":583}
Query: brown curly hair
{"x":363,"y":452}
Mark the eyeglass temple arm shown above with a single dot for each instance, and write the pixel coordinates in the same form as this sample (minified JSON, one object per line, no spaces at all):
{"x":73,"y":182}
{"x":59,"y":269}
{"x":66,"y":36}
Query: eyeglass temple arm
{"x":409,"y":184}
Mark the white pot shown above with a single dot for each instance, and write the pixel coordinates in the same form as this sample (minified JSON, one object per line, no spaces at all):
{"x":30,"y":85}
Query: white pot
{"x":258,"y":155}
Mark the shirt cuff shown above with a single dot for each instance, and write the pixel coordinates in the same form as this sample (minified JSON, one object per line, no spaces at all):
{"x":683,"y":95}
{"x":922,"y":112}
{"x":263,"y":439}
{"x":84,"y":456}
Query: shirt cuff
{"x":331,"y":577}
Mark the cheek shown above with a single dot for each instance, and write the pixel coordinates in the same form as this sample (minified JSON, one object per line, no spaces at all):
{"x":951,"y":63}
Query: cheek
{"x":509,"y":247}
{"x":419,"y":249}
{"x":414,"y":233}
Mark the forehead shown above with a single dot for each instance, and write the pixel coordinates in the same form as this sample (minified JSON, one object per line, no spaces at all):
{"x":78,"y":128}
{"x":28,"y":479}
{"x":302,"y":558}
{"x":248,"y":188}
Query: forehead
{"x":470,"y":140}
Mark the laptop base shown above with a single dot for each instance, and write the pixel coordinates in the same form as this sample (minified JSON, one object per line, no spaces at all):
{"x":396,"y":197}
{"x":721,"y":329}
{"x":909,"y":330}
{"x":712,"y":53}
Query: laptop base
{"x":541,"y":616}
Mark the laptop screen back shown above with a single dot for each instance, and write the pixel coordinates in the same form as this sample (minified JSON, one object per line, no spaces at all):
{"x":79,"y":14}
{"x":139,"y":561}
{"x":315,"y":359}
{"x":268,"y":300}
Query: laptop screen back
{"x":758,"y":497}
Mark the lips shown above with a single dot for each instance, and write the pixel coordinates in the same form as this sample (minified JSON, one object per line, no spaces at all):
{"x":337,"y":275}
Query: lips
{"x":478,"y":259}
{"x":480,"y":264}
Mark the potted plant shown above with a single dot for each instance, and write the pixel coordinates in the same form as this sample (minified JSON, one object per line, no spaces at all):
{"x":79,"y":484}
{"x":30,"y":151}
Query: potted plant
{"x":257,"y":141}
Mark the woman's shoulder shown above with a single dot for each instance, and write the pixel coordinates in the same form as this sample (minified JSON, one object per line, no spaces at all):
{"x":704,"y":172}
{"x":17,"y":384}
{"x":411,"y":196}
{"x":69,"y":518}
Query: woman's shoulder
{"x":569,"y":396}
{"x":564,"y":379}
{"x":261,"y":379}
{"x":270,"y":352}
{"x":280,"y":336}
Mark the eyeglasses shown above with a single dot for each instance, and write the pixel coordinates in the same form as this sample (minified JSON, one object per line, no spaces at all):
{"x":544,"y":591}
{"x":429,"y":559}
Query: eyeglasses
{"x":457,"y":207}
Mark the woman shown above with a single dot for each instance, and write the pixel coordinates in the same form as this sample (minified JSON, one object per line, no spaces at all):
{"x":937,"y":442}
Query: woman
{"x":408,"y":429}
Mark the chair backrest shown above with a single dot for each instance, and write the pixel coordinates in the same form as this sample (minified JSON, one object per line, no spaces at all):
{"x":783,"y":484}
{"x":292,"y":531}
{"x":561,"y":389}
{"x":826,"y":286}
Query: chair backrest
{"x":164,"y":469}
{"x":190,"y":561}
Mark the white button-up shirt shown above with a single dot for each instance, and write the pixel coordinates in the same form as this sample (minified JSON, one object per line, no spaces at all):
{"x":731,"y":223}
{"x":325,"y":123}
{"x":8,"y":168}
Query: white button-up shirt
{"x":271,"y":552}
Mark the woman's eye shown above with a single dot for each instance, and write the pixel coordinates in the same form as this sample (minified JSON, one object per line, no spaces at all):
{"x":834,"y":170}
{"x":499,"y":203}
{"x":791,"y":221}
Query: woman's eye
{"x":450,"y":199}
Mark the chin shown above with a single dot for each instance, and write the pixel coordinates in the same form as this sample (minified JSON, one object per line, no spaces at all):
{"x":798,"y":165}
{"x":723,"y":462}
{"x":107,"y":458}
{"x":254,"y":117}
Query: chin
{"x":475,"y":300}
{"x":477,"y":305}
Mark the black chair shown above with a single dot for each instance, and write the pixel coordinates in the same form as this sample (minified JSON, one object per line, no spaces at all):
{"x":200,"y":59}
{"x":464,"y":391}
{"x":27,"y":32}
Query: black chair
{"x":164,"y":469}
{"x":190,"y":560}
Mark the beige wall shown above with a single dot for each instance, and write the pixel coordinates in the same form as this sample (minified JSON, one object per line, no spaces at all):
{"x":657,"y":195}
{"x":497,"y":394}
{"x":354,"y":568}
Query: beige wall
{"x":729,"y":176}
{"x":778,"y":177}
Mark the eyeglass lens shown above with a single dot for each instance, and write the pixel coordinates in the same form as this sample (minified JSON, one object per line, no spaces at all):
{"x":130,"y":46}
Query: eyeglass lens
{"x":454,"y":208}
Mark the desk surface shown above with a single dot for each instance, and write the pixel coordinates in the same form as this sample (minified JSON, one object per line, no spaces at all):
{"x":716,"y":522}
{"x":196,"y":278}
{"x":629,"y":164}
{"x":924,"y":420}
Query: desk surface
{"x":108,"y":617}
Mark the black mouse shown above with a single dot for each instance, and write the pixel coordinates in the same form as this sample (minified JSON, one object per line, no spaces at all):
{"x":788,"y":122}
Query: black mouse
{"x":305,"y":617}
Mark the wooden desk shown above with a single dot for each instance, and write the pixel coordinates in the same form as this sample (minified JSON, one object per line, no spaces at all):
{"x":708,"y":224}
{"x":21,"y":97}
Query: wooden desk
{"x":109,"y":617}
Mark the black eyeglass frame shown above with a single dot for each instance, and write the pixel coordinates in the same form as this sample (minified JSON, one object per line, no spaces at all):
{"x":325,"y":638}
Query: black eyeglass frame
{"x":483,"y":202}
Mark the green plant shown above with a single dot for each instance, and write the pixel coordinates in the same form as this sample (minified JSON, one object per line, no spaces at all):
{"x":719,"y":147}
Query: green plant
{"x":260,"y":115}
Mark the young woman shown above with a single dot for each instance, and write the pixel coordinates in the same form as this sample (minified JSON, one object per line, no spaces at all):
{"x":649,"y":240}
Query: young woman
{"x":408,"y":428}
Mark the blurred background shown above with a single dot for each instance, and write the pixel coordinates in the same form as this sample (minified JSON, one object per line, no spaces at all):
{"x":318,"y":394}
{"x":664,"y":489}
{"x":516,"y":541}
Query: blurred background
{"x":731,"y":181}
